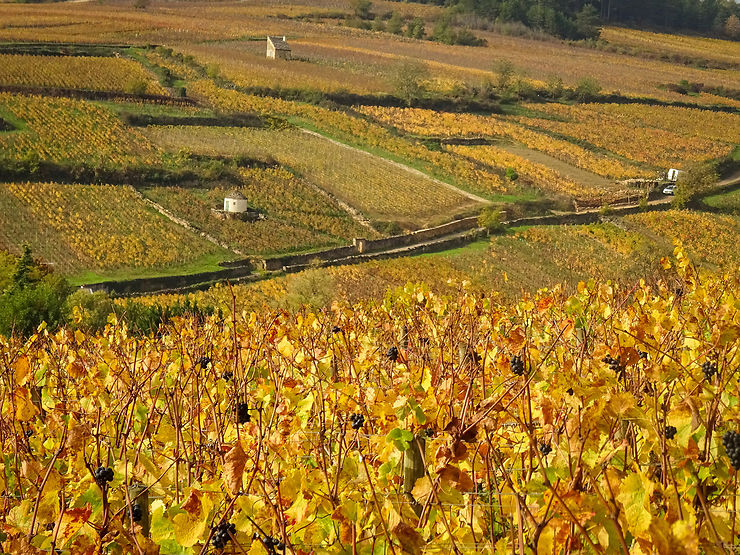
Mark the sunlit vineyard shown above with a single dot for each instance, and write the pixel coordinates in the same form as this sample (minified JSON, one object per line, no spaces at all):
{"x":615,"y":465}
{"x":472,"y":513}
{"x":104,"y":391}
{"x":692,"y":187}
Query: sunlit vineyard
{"x":710,"y":238}
{"x":538,"y":175}
{"x":245,"y":65}
{"x":75,"y":72}
{"x":618,"y":133}
{"x":359,"y":131}
{"x":297,"y":217}
{"x":62,"y":129}
{"x":592,"y":423}
{"x":446,"y":124}
{"x":379,"y":189}
{"x":105,"y":226}
{"x":722,"y":127}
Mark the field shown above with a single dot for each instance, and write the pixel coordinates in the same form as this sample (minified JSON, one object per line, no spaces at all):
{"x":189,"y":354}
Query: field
{"x":380,"y":190}
{"x":75,"y":72}
{"x":94,"y":227}
{"x":668,"y":137}
{"x":66,"y":130}
{"x":297,"y":216}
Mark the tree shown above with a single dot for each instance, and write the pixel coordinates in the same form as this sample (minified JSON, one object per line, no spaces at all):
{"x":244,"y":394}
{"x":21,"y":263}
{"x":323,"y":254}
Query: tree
{"x":732,"y":27}
{"x":504,"y":70}
{"x":361,"y":8}
{"x":587,"y":23}
{"x":22,"y":276}
{"x":408,"y":80}
{"x":395,"y":24}
{"x":587,"y":89}
{"x":416,"y":29}
{"x":693,"y":183}
{"x":32,"y":298}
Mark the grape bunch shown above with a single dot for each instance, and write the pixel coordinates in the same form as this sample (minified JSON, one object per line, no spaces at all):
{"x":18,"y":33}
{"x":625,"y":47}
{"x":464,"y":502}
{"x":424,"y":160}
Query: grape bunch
{"x":545,"y":449}
{"x":670,"y":432}
{"x":222,"y":535}
{"x":517,"y":365}
{"x":392,"y":353}
{"x":103,"y":475}
{"x":357,"y":420}
{"x":242,"y":413}
{"x":731,"y":441}
{"x":614,"y":364}
{"x":272,"y":545}
{"x":336,"y":329}
{"x":203,"y":362}
{"x":227,"y":375}
{"x":641,"y":353}
{"x":709,"y":369}
{"x":137,"y":512}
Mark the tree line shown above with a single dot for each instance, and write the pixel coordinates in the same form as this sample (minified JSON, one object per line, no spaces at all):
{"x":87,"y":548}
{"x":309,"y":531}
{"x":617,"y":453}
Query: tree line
{"x":580,"y":19}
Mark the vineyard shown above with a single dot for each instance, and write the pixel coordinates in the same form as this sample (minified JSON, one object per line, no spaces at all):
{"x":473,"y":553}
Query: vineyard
{"x":614,"y":131}
{"x":62,"y":129}
{"x":356,"y":130}
{"x":597,"y":422}
{"x":377,"y":188}
{"x":95,"y":227}
{"x":75,"y":72}
{"x":296,"y":216}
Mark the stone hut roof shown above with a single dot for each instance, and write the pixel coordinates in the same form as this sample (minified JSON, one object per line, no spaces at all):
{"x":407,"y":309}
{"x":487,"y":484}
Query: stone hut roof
{"x":279,"y":43}
{"x":236,"y":195}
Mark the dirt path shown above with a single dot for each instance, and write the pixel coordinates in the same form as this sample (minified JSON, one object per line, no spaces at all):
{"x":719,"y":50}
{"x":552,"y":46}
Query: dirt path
{"x":734,"y":179}
{"x":566,"y":170}
{"x":414,"y":171}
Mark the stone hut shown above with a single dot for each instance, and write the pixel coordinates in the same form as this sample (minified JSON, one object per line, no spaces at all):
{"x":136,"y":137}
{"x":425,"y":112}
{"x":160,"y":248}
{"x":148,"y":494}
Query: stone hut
{"x":235,"y":203}
{"x":278,"y":48}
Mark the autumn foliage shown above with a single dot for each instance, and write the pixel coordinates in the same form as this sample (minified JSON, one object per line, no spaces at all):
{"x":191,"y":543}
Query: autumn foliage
{"x":553,"y":425}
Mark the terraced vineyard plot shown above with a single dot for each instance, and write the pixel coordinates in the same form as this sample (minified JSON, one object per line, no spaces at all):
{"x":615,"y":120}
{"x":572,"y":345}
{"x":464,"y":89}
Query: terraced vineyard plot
{"x":656,"y":146}
{"x":66,"y":130}
{"x":379,"y":189}
{"x":297,"y":217}
{"x":445,"y":124}
{"x":710,"y":238}
{"x":360,"y":131}
{"x":539,"y":175}
{"x":98,"y":227}
{"x":75,"y":72}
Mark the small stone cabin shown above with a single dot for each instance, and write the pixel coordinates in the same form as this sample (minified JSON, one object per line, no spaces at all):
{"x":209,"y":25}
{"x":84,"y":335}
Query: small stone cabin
{"x":235,"y":203}
{"x":278,"y":48}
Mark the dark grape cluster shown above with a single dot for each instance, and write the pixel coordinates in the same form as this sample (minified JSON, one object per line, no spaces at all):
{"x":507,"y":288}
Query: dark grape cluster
{"x":670,"y":432}
{"x":569,"y":391}
{"x":731,"y":441}
{"x":272,"y":545}
{"x":203,"y":362}
{"x":242,"y":413}
{"x":227,"y":375}
{"x":642,"y":354}
{"x":517,"y":365}
{"x":709,"y":369}
{"x":545,"y":449}
{"x":336,"y":329}
{"x":357,"y":421}
{"x":222,"y":535}
{"x":137,"y":512}
{"x":103,"y":475}
{"x":614,"y":363}
{"x":392,"y":353}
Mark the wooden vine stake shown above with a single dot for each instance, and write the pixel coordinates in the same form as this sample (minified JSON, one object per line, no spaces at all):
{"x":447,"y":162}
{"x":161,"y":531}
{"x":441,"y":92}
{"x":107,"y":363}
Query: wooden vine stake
{"x":139,"y":495}
{"x":413,"y":469}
